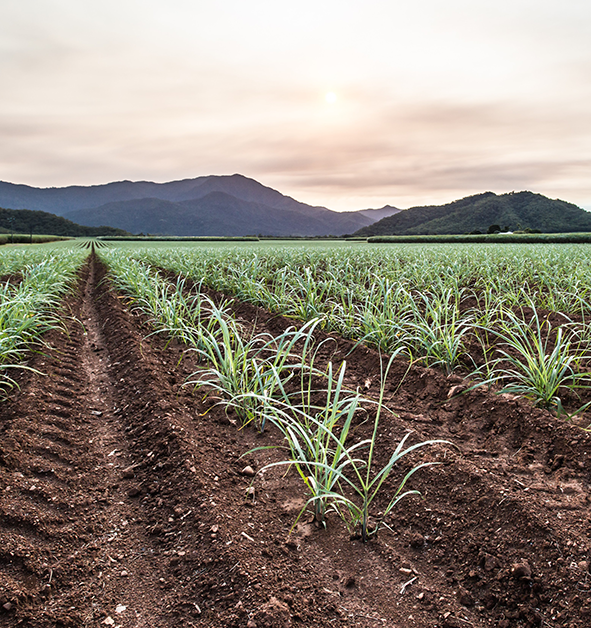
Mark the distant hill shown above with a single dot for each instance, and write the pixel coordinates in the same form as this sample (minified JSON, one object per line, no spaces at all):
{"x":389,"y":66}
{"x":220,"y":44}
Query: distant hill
{"x":513,"y":211}
{"x":378,"y":214}
{"x":212,"y":205}
{"x":39,"y":222}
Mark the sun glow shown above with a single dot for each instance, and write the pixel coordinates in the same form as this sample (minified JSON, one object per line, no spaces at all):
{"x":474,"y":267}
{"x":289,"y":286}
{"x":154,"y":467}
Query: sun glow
{"x":330,"y":97}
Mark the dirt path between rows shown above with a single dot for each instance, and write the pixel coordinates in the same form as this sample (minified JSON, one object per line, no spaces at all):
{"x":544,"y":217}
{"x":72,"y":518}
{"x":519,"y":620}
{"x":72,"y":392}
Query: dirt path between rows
{"x":75,"y":548}
{"x":124,"y":502}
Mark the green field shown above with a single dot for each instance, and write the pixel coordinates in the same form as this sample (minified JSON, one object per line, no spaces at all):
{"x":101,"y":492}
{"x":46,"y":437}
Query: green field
{"x":514,"y":316}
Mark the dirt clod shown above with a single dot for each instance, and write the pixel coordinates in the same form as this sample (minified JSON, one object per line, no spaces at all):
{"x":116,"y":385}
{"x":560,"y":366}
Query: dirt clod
{"x":455,"y":390}
{"x":521,"y":570}
{"x":417,"y":540}
{"x":273,"y":614}
{"x":465,"y":598}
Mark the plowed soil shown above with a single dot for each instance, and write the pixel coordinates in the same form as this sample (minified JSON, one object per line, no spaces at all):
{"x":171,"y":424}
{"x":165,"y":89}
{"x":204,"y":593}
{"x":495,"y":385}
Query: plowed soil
{"x":125,"y":503}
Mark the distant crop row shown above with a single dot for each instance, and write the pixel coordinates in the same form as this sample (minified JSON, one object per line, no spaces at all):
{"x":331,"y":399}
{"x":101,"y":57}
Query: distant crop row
{"x":555,"y":277}
{"x":25,"y":238}
{"x":494,"y":238}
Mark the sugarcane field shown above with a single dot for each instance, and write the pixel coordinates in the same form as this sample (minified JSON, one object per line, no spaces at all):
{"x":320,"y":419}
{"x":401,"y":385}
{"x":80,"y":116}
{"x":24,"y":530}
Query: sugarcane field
{"x":283,"y":434}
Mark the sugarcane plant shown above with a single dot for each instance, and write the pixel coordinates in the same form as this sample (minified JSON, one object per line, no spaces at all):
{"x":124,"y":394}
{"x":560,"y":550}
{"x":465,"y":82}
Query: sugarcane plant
{"x":245,"y":368}
{"x":537,"y":362}
{"x":340,"y":475}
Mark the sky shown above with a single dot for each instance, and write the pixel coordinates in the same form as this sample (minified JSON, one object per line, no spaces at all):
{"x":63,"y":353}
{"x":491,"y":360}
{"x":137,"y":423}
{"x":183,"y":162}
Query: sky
{"x":341,"y":103}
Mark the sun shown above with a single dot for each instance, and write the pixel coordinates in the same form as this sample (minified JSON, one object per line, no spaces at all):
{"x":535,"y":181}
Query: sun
{"x":330,"y":97}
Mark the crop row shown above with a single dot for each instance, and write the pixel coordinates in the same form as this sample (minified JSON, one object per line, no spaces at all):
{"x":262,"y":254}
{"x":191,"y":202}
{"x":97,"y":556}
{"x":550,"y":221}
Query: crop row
{"x":29,"y":306}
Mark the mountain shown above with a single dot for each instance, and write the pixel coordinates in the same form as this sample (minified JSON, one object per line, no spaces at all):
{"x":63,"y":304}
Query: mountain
{"x":513,"y":211}
{"x":38,"y":222}
{"x":211,"y":205}
{"x":378,"y":214}
{"x":217,"y":214}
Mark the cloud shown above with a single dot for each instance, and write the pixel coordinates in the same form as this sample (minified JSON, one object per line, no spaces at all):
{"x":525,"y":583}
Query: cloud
{"x":397,"y":156}
{"x":433,"y":102}
{"x":415,"y":155}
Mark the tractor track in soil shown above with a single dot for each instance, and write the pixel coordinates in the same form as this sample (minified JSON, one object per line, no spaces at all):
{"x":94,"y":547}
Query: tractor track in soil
{"x":123,"y":501}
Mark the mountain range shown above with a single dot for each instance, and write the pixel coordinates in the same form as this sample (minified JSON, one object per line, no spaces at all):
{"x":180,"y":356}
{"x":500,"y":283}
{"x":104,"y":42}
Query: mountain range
{"x":476,"y":214}
{"x":213,"y":205}
{"x":235,"y":205}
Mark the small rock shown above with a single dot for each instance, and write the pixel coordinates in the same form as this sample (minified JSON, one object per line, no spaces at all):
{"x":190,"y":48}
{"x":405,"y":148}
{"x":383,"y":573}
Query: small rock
{"x":134,"y":491}
{"x":7,"y":606}
{"x":584,"y":565}
{"x":521,"y":570}
{"x":109,"y":621}
{"x":124,"y":574}
{"x":251,"y":624}
{"x":490,"y":601}
{"x":248,"y":472}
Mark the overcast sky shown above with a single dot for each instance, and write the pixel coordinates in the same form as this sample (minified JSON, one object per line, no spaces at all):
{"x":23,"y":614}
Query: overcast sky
{"x":347,"y":104}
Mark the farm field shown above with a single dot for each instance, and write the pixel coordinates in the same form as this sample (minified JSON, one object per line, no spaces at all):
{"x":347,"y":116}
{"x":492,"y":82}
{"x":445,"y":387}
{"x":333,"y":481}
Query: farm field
{"x":131,"y":494}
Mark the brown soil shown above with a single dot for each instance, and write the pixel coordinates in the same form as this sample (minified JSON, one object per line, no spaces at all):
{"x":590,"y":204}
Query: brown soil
{"x":124,"y":503}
